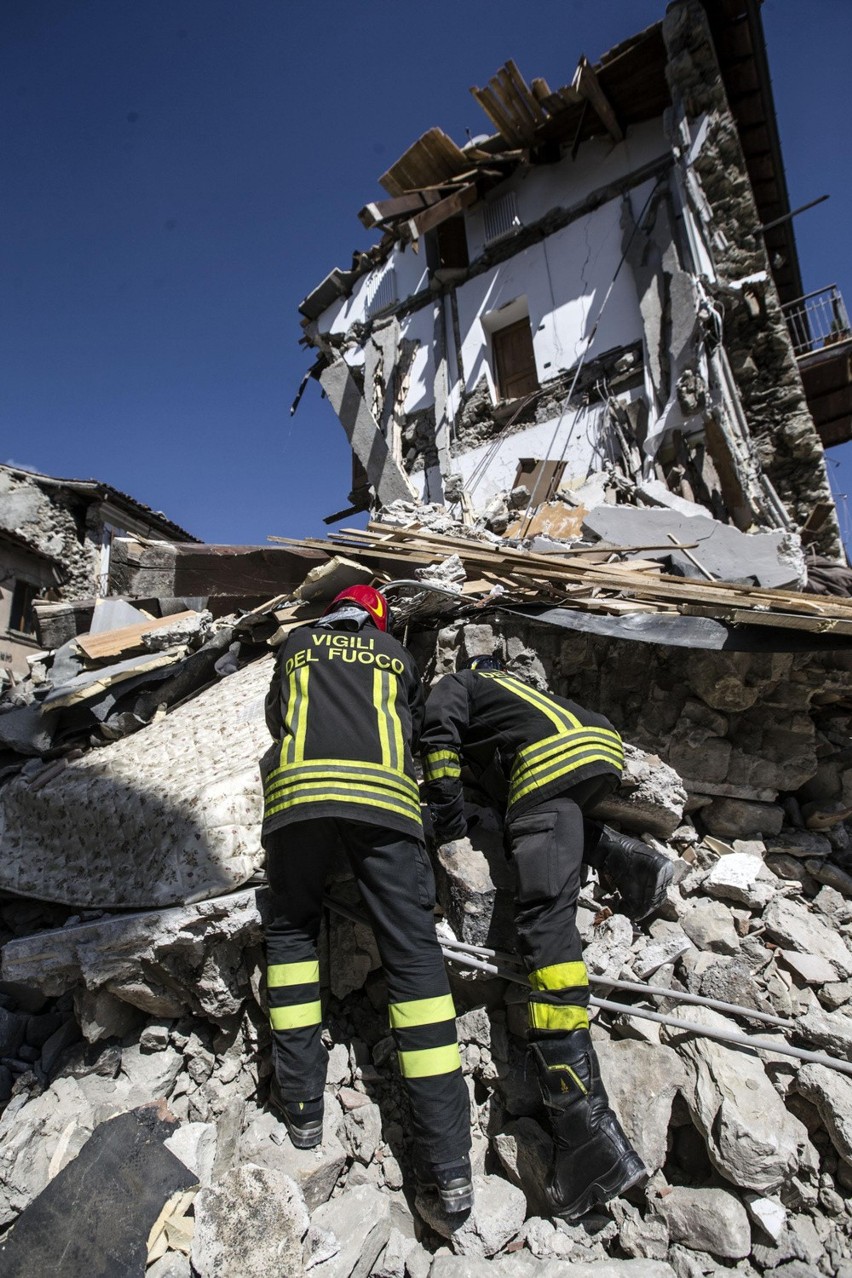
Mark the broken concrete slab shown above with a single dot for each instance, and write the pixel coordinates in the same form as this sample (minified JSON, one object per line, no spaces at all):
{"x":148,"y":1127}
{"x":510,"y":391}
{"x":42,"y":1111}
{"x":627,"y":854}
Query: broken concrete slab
{"x":742,"y":878}
{"x":831,"y":1093}
{"x":751,"y":1138}
{"x":711,"y":1220}
{"x":129,"y":954}
{"x":770,"y":559}
{"x":360,"y":1220}
{"x":316,"y":1171}
{"x":161,"y":817}
{"x":650,"y":799}
{"x":642,"y":1081}
{"x":123,"y":1174}
{"x":497,"y":1214}
{"x":474,"y":887}
{"x":250,"y":1222}
{"x":793,"y":926}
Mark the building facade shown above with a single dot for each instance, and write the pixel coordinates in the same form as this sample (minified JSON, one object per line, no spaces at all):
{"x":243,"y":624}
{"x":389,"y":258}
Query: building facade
{"x":606,"y":285}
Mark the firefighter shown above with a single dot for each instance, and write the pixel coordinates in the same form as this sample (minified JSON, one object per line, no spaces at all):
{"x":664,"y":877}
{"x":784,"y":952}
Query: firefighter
{"x":345,"y":707}
{"x":556,"y":760}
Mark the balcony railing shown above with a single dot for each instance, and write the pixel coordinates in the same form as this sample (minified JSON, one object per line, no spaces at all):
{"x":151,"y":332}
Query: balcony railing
{"x":817,"y":320}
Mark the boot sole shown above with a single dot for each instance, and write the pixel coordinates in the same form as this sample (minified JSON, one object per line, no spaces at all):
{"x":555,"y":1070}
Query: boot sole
{"x":456,"y":1200}
{"x":624,"y":1175}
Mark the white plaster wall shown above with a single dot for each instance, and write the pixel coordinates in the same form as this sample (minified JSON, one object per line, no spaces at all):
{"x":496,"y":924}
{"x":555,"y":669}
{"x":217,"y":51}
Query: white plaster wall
{"x":564,"y":280}
{"x":411,"y":277}
{"x":490,"y":469}
{"x":419,"y":328}
{"x":566,"y":184}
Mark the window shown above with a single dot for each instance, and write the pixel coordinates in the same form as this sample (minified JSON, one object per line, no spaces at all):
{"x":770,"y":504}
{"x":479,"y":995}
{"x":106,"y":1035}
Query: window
{"x":501,"y":218}
{"x":514,"y":360}
{"x":446,"y":248}
{"x":21,"y":611}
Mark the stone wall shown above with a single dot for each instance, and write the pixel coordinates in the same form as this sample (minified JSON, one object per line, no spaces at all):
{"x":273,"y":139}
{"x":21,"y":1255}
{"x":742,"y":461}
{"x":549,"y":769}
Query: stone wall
{"x":56,"y":522}
{"x":755,"y":332}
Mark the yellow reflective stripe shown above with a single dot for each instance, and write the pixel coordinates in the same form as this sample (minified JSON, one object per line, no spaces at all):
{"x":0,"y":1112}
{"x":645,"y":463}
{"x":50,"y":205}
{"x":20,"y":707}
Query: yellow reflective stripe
{"x":554,"y":1016}
{"x":576,"y":1077}
{"x":340,"y":787}
{"x":441,"y":763}
{"x":559,"y":976}
{"x":366,"y":800}
{"x":576,"y":764}
{"x":570,"y":754}
{"x":538,"y":753}
{"x":422,"y":1011}
{"x":302,"y":730}
{"x":398,"y":752}
{"x":291,"y":974}
{"x":296,"y":1016}
{"x":348,"y":767}
{"x":379,"y":697}
{"x":429,"y":1061}
{"x":397,"y":782}
{"x":558,"y":716}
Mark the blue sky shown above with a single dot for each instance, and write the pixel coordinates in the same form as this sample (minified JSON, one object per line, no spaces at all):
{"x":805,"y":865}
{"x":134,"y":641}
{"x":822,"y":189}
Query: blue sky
{"x":178,"y":174}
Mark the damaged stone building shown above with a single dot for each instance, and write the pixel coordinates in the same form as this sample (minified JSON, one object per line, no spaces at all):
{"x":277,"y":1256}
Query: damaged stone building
{"x":607,"y":284}
{"x":590,"y":427}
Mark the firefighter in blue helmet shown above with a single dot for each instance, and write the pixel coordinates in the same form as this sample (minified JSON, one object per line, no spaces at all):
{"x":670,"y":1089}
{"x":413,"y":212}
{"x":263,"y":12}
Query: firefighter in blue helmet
{"x":345,"y":708}
{"x":555,"y":760}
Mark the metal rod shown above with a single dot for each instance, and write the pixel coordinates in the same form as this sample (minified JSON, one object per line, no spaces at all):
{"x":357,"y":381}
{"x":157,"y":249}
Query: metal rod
{"x":639,"y":987}
{"x":786,"y":217}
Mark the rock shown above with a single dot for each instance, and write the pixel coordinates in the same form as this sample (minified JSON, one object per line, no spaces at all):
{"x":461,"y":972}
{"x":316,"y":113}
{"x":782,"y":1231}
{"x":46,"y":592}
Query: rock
{"x":521,"y":1265}
{"x":154,"y":1038}
{"x":831,"y":1093}
{"x":316,"y":1171}
{"x":474,"y":887}
{"x":12,"y":1030}
{"x":195,"y":1145}
{"x":197,"y":950}
{"x":360,"y":1220}
{"x":799,"y":843}
{"x":732,"y":983}
{"x":707,"y":1220}
{"x":353,"y":954}
{"x":742,"y":818}
{"x":496,"y":1216}
{"x":152,"y":1074}
{"x":828,"y":1030}
{"x":709,"y":925}
{"x":660,"y":951}
{"x":831,"y":875}
{"x":836,"y":994}
{"x":610,"y":950}
{"x":525,"y":1151}
{"x":793,"y":926}
{"x":651,"y":797}
{"x":810,"y":968}
{"x":319,"y":1245}
{"x":641,"y":1081}
{"x":391,"y":1263}
{"x":250,"y":1223}
{"x":363,"y":1131}
{"x":67,"y":1034}
{"x":743,"y":878}
{"x":545,"y":1241}
{"x":751,"y":1138}
{"x":769,"y":1213}
{"x":40,"y":1028}
{"x":172,"y":1265}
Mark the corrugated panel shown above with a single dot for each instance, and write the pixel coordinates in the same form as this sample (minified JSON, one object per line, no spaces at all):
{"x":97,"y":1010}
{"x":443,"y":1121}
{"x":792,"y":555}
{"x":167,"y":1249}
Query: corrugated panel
{"x":501,"y":217}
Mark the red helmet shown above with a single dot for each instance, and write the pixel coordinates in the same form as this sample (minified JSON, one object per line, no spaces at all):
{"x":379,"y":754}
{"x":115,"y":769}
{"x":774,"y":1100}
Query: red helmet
{"x":372,"y":600}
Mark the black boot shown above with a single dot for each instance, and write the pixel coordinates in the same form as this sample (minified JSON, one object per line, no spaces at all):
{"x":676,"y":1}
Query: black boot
{"x":640,"y":875}
{"x":450,"y":1181}
{"x":593,"y":1159}
{"x":303,"y":1119}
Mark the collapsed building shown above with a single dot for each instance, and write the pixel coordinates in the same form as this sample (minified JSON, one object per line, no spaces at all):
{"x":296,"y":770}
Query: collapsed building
{"x":592,"y":439}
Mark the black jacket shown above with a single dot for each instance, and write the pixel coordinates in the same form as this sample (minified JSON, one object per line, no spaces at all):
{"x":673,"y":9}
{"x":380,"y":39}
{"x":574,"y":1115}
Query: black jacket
{"x":345,"y":709}
{"x":542,"y":744}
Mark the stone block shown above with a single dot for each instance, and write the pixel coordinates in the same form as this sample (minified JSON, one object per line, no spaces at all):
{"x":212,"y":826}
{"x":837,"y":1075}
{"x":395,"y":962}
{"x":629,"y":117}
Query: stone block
{"x":360,"y":1220}
{"x":251,"y":1223}
{"x":793,"y":926}
{"x":711,"y":1220}
{"x":641,"y":1081}
{"x":497,"y":1215}
{"x":265,"y":1143}
{"x":741,"y":878}
{"x":740,"y":818}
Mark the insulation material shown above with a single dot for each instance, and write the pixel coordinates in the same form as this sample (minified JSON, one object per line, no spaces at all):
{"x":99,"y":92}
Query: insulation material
{"x":169,"y":815}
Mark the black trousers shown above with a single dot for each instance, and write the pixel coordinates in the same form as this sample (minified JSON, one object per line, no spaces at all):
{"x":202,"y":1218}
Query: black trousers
{"x":546,"y":845}
{"x":397,"y":885}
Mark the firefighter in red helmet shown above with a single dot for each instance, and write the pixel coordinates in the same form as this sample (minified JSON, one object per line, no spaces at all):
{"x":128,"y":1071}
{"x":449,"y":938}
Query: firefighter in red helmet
{"x":345,"y":707}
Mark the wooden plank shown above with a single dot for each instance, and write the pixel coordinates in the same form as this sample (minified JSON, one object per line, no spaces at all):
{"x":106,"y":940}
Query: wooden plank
{"x":444,"y":209}
{"x":127,"y":639}
{"x":379,"y":211}
{"x":497,"y":115}
{"x":587,"y":85}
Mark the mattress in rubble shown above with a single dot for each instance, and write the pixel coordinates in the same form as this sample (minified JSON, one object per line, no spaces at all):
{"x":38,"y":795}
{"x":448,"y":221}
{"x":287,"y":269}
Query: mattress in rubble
{"x":171,"y":814}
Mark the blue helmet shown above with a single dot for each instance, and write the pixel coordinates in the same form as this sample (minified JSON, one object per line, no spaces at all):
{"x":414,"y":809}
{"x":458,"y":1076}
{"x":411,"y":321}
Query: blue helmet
{"x":484,"y":661}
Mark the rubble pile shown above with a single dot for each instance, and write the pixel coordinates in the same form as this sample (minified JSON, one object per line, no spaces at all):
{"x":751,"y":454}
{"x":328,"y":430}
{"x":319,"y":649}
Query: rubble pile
{"x":132,"y":964}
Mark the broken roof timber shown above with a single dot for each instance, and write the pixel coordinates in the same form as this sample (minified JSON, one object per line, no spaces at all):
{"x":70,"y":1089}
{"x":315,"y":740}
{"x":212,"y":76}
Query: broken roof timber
{"x":429,"y":161}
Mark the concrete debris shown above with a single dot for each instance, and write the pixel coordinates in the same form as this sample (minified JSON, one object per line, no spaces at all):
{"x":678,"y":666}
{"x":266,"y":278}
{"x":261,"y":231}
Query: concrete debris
{"x":496,"y":1217}
{"x":711,"y":1220}
{"x":250,"y":1222}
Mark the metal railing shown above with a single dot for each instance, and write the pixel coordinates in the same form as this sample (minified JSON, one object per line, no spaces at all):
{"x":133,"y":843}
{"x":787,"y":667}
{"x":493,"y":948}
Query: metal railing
{"x":817,"y":320}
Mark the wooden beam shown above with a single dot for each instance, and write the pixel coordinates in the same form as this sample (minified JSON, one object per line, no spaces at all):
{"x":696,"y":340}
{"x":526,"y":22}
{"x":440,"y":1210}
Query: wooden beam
{"x":379,"y":211}
{"x":446,"y":208}
{"x":586,"y":83}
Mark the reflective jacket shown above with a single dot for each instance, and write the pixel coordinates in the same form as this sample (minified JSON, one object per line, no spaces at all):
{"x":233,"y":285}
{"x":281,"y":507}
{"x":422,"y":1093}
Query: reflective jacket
{"x":541,"y":744}
{"x":345,"y":709}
